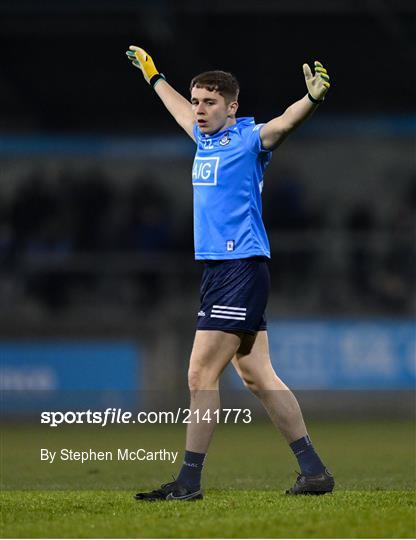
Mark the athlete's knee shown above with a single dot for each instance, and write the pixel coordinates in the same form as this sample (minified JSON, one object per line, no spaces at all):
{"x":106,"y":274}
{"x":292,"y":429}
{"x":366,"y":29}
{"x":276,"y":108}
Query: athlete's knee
{"x":250,"y":383}
{"x":258,"y":381}
{"x":194,"y":379}
{"x":201,"y":379}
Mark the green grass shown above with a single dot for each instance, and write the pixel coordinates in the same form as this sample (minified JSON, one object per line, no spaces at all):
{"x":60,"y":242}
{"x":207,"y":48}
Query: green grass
{"x":247,"y":469}
{"x":222,"y":514}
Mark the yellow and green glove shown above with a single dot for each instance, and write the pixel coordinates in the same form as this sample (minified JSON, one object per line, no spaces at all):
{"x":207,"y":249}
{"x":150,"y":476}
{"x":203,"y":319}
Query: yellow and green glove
{"x":318,"y":84}
{"x":144,"y":62}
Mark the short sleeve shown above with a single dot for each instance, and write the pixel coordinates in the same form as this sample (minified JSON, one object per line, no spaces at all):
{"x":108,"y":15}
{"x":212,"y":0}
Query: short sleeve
{"x":252,"y":139}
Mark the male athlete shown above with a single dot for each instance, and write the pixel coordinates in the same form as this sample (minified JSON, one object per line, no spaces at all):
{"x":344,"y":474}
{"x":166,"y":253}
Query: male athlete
{"x":232,"y":155}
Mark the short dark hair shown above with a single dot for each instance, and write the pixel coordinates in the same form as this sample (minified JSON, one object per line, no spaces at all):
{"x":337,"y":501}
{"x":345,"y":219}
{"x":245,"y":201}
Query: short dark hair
{"x":220,"y":81}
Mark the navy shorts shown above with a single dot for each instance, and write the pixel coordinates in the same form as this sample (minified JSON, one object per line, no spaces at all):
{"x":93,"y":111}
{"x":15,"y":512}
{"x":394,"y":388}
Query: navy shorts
{"x":234,"y":295}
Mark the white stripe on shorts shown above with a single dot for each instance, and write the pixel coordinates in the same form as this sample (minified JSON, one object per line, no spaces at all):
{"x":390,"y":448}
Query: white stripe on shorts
{"x":227,"y":312}
{"x":230,"y":307}
{"x":228,"y":317}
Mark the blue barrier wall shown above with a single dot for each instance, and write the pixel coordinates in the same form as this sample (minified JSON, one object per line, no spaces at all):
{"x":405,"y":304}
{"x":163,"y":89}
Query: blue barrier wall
{"x":322,"y":355}
{"x":180,"y":146}
{"x":342,"y":355}
{"x":54,"y":374}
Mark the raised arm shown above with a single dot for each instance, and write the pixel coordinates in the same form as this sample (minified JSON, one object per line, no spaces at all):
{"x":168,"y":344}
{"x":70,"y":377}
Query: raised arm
{"x":274,"y":132}
{"x":179,"y":107}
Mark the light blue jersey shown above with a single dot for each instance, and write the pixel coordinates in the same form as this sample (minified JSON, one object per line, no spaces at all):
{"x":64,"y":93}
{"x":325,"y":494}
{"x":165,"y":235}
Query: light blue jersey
{"x":227,"y":177}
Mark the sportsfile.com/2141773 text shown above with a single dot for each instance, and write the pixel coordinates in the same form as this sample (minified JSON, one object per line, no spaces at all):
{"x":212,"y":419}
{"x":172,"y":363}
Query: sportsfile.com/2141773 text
{"x":117,"y":416}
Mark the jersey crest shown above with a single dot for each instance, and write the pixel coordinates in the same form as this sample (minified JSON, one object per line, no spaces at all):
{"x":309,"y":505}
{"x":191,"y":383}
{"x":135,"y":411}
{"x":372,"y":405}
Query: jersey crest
{"x":225,"y":140}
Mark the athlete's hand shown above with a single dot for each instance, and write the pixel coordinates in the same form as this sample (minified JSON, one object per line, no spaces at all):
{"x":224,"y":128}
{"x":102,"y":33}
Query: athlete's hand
{"x":144,"y":62}
{"x":318,"y":84}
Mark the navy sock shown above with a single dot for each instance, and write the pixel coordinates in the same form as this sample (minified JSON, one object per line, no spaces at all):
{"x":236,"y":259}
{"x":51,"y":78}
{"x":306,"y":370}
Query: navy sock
{"x":309,"y":462}
{"x":190,"y":473}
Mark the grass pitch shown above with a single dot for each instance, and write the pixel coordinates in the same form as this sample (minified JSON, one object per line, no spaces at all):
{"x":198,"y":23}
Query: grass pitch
{"x":246,"y":473}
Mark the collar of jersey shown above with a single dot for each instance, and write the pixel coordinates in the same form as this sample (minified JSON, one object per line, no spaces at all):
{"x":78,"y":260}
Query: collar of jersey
{"x":241,"y":121}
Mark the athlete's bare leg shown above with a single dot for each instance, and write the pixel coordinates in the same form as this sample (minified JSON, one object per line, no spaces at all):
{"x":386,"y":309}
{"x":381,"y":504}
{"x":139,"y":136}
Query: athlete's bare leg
{"x":211,"y":352}
{"x":252,"y":362}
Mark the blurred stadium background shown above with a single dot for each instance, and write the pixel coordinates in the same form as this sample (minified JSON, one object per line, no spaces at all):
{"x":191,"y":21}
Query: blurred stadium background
{"x":98,"y":285}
